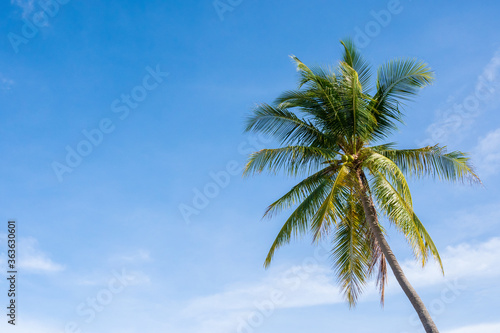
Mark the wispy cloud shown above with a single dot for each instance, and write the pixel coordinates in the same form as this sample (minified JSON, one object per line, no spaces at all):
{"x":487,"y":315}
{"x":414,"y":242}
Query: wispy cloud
{"x":138,"y":257}
{"x":459,"y":113}
{"x":230,"y":310}
{"x":463,"y":261}
{"x":102,"y":278}
{"x":298,"y":287}
{"x":487,"y":154}
{"x":131,"y":260}
{"x":483,"y":328}
{"x":32,"y":259}
{"x":303,"y":289}
{"x":31,"y":326}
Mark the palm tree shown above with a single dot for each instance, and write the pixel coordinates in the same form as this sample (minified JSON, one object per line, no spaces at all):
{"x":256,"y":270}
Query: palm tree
{"x":330,"y":131}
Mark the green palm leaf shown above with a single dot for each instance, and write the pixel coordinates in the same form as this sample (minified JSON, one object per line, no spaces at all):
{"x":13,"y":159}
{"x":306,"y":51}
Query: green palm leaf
{"x":433,"y":161}
{"x":298,"y":222}
{"x":292,"y":160}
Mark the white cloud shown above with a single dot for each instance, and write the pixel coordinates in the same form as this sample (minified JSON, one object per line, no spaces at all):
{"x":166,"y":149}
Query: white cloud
{"x":102,"y":279}
{"x":32,"y":259}
{"x":457,"y":116}
{"x":487,"y":154}
{"x":128,"y":262}
{"x":313,"y":284}
{"x":29,"y":326}
{"x":138,"y":256}
{"x":300,"y":286}
{"x":303,"y":286}
{"x":480,"y":261}
{"x":483,"y":328}
{"x":234,"y":308}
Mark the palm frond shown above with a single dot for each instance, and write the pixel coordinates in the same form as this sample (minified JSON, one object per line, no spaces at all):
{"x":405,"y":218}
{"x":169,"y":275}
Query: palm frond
{"x":379,"y":265}
{"x":286,"y":127}
{"x":300,"y":191}
{"x":355,"y":105}
{"x":399,"y":212}
{"x":292,"y":160}
{"x":354,"y":59}
{"x":433,"y":161}
{"x":376,"y":162}
{"x":331,"y":209}
{"x":326,"y":88}
{"x":401,"y":79}
{"x":351,"y":253}
{"x":298,"y":222}
{"x":397,"y":81}
{"x":315,"y":76}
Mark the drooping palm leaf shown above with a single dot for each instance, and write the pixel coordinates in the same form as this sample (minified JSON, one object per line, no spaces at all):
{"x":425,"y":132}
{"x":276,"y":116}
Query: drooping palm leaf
{"x":433,"y":161}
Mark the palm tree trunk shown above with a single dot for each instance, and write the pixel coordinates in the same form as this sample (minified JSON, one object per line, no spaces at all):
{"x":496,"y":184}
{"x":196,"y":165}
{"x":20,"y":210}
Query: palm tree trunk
{"x":371,"y":217}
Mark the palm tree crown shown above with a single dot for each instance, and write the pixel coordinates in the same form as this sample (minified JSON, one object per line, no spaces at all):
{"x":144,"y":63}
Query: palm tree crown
{"x":330,"y":131}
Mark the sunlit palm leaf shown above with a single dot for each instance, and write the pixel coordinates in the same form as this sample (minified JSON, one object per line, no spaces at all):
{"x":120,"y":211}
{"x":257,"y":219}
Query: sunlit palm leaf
{"x":298,"y":222}
{"x":433,"y":161}
{"x":286,"y":127}
{"x":300,"y":191}
{"x":292,"y":160}
{"x":352,"y":252}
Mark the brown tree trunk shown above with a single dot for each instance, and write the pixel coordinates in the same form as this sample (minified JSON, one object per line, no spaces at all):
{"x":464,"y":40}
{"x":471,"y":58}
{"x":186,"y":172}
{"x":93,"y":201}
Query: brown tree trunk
{"x":371,"y":217}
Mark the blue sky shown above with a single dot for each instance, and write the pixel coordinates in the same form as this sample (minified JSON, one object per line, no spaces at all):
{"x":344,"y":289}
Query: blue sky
{"x":120,"y":240}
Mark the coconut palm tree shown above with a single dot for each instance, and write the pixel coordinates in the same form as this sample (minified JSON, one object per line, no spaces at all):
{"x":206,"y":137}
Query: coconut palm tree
{"x":330,"y":132}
